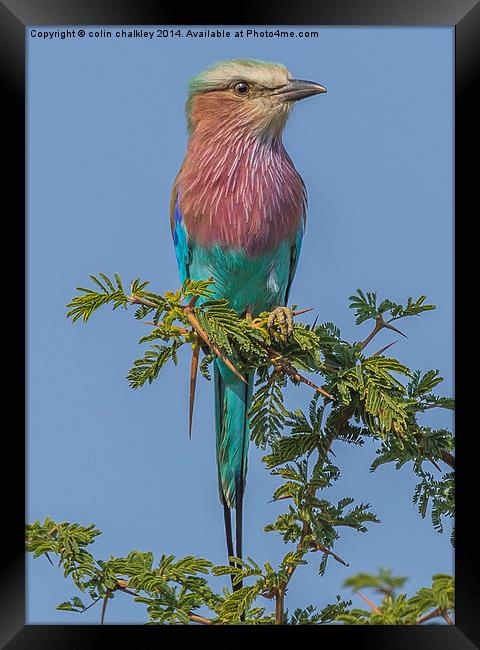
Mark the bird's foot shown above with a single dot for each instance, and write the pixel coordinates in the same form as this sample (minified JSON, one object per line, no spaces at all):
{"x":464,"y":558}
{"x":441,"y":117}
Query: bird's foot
{"x":283,"y":316}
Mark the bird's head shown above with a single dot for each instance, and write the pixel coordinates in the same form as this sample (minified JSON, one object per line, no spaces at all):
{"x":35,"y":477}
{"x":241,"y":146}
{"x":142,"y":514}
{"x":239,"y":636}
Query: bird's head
{"x":246,"y":95}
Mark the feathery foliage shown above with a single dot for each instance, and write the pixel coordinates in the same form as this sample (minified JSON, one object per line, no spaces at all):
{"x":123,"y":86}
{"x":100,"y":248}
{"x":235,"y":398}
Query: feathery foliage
{"x":355,"y":396}
{"x":427,"y":603}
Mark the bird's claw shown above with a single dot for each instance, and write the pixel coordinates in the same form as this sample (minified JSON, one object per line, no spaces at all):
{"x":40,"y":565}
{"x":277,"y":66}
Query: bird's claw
{"x":284,"y":318}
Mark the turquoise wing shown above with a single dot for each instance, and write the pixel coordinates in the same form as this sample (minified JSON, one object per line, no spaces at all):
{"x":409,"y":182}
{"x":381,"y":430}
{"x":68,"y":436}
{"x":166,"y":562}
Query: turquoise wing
{"x":294,"y":255}
{"x":180,"y":240}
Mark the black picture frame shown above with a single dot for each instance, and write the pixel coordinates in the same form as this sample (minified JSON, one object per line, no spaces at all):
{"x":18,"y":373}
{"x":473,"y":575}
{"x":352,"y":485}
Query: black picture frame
{"x":15,"y":16}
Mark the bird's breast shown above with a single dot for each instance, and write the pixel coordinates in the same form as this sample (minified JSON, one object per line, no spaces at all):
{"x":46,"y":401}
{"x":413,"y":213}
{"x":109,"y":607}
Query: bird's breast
{"x":245,"y":196}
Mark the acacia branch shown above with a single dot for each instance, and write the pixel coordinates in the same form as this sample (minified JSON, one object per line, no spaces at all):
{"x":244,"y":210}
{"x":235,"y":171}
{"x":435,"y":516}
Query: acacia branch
{"x":380,"y":324}
{"x":192,"y":319}
{"x":286,"y":368}
{"x":137,"y":300}
{"x":445,"y":455}
{"x":448,"y":459}
{"x":447,"y":617}
{"x":306,"y":529}
{"x":196,"y":618}
{"x":382,"y":350}
{"x":193,"y":383}
{"x":183,"y":331}
{"x":336,"y":557}
{"x":279,"y":605}
{"x":275,"y":358}
{"x":199,"y":619}
{"x":104,"y":605}
{"x":369,"y":602}
{"x":435,"y":614}
{"x":428,"y":617}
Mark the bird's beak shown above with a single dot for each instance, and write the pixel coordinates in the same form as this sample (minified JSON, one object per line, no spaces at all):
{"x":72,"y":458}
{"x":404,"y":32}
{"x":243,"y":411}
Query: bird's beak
{"x":298,"y":89}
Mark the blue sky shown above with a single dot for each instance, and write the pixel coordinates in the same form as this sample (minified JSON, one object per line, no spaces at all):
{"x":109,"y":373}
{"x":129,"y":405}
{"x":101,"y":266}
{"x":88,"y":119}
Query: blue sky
{"x":106,"y":136}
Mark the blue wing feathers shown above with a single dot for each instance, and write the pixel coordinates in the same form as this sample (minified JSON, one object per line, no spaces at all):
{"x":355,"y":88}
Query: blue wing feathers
{"x":181,"y":244}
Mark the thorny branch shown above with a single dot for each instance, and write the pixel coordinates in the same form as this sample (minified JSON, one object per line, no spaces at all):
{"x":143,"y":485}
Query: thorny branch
{"x":275,"y":359}
{"x":284,"y":366}
{"x":306,"y":531}
{"x":422,"y":619}
{"x":122,"y":585}
{"x":370,"y":603}
{"x":189,"y":313}
{"x":379,"y":325}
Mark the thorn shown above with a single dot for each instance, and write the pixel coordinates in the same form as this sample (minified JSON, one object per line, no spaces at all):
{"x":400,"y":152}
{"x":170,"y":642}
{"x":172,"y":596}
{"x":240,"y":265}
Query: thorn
{"x":193,"y":384}
{"x":391,"y":327}
{"x":284,"y":496}
{"x":302,"y":311}
{"x":203,"y":335}
{"x":48,"y":558}
{"x":286,"y":368}
{"x":127,"y":591}
{"x":371,"y":604}
{"x":328,"y":551}
{"x":383,"y":349}
{"x":104,"y":606}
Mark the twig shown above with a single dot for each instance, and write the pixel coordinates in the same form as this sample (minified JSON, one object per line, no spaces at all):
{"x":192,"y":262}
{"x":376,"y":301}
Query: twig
{"x":183,"y":331}
{"x":275,"y":358}
{"x":279,"y":592}
{"x":379,"y":325}
{"x":199,"y":619}
{"x":447,"y":617}
{"x":306,"y":529}
{"x":446,"y":456}
{"x":192,"y":319}
{"x":279,"y":605}
{"x":371,"y":604}
{"x":326,"y":550}
{"x":123,"y":584}
{"x":91,"y":604}
{"x":136,"y":300}
{"x":427,"y":617}
{"x":291,"y":569}
{"x":448,"y":459}
{"x":284,"y":366}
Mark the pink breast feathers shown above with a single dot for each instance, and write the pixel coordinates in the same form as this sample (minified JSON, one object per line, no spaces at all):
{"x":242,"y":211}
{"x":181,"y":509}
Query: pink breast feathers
{"x":244,"y":193}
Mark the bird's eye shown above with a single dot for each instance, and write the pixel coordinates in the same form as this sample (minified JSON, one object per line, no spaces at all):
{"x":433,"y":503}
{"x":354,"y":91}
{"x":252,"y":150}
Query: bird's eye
{"x":241,"y":88}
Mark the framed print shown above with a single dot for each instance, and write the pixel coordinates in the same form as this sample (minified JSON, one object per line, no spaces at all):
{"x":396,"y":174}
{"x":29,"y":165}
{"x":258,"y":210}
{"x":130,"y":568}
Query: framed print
{"x":239,"y":345}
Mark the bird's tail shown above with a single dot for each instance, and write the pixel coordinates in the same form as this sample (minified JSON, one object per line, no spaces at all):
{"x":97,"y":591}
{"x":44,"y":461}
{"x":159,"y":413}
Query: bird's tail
{"x":232,"y":402}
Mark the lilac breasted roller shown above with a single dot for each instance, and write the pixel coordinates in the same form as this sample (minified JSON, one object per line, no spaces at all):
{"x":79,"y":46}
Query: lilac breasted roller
{"x":238,"y":212}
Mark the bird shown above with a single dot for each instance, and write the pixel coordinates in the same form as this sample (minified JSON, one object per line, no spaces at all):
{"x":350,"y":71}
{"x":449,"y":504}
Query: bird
{"x":238,"y":213}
